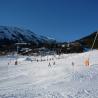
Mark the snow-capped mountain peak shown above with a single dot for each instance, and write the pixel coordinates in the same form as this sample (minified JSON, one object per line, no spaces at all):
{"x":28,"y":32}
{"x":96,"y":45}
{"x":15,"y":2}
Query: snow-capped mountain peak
{"x":21,"y":35}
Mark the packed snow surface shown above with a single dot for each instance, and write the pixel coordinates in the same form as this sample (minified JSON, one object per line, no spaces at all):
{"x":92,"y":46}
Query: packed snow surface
{"x":54,"y":76}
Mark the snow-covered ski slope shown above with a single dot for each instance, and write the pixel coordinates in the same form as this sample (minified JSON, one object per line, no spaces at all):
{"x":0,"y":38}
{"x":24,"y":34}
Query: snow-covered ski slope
{"x":33,"y":78}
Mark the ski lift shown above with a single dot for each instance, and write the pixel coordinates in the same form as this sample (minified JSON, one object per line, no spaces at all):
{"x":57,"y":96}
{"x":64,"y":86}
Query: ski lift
{"x":87,"y":60}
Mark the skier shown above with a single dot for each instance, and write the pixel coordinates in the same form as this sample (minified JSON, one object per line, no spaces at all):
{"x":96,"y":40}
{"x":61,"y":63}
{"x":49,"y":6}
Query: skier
{"x":8,"y":63}
{"x":37,"y":60}
{"x":49,"y":65}
{"x":16,"y":63}
{"x":54,"y":63}
{"x":72,"y":63}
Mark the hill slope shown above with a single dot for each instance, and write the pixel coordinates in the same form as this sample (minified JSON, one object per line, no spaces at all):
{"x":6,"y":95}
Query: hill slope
{"x":82,"y":44}
{"x":38,"y":80}
{"x":88,"y":41}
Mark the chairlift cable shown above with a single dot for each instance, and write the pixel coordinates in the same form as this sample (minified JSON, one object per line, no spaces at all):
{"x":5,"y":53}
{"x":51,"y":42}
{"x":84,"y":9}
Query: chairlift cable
{"x":94,"y":41}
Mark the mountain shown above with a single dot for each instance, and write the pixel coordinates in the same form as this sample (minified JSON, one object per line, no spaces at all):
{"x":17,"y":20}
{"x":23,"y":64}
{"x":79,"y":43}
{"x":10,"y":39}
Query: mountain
{"x":81,"y":45}
{"x":20,"y":35}
{"x":9,"y":36}
{"x":87,"y":41}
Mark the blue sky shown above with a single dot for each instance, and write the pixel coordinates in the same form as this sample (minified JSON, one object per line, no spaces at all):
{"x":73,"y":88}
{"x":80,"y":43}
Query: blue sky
{"x":64,"y":20}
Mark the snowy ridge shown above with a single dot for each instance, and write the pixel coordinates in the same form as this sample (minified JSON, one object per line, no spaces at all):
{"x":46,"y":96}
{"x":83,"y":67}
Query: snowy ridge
{"x":21,"y":35}
{"x":36,"y":79}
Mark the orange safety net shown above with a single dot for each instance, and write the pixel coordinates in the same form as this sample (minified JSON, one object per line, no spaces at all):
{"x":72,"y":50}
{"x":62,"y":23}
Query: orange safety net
{"x":86,"y":62}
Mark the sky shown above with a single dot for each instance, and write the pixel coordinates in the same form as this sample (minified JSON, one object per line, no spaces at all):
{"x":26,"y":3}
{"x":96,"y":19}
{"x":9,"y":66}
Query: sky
{"x":64,"y":20}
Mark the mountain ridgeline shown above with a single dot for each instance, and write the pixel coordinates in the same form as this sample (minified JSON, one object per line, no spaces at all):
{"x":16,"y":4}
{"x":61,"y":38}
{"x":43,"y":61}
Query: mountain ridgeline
{"x":88,"y":41}
{"x":10,"y":36}
{"x":83,"y":44}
